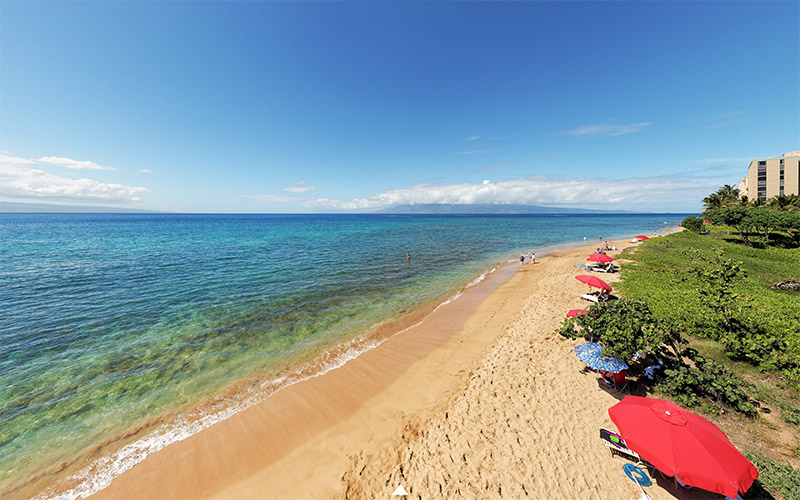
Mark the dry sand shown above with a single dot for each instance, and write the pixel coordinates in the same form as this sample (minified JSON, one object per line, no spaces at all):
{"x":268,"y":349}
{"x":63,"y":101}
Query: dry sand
{"x":482,"y":400}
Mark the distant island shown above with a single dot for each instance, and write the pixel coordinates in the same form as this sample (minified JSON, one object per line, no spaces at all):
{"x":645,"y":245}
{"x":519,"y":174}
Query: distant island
{"x":47,"y":208}
{"x":487,"y":209}
{"x":427,"y":208}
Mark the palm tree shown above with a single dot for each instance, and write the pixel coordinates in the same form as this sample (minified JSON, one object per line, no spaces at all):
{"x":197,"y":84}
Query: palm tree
{"x":785,"y":202}
{"x":730,"y":195}
{"x":712,"y":202}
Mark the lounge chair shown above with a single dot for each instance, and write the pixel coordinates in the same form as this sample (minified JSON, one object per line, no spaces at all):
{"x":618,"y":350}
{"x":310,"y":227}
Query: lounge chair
{"x":617,"y":446}
{"x":591,"y":297}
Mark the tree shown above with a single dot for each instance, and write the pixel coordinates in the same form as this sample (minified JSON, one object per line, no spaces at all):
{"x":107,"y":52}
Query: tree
{"x":736,"y":217}
{"x":711,"y":203}
{"x":726,"y":196}
{"x":785,"y":202}
{"x":729,"y":193}
{"x":766,"y":221}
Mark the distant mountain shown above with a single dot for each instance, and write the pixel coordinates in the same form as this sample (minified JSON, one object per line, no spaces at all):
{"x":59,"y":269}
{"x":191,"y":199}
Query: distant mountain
{"x":14,"y":207}
{"x":449,"y":208}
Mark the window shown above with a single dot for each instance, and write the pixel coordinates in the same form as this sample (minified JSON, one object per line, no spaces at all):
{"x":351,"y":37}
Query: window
{"x":763,"y":164}
{"x":762,"y":184}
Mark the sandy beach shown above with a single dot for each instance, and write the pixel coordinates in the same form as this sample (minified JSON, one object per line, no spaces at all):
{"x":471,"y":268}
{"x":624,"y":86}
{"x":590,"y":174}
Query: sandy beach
{"x":481,"y":400}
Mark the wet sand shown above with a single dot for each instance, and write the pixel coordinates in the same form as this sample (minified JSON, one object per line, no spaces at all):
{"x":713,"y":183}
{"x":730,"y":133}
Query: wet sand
{"x":482,"y":400}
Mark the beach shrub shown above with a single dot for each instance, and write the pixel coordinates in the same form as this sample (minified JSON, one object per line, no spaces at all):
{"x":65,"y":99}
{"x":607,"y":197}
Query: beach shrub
{"x":776,"y":477}
{"x":626,"y":328}
{"x":716,"y":280}
{"x":692,"y":223}
{"x":690,"y":385}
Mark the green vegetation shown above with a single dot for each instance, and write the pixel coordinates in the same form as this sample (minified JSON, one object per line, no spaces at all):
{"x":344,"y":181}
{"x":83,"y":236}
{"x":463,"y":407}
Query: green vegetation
{"x":625,"y":328}
{"x":693,"y":223}
{"x":704,"y":307}
{"x":706,"y":287}
{"x":775,"y":477}
{"x":774,"y":222}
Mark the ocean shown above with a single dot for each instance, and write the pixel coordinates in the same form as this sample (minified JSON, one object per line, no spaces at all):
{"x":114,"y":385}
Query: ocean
{"x":122,"y":333}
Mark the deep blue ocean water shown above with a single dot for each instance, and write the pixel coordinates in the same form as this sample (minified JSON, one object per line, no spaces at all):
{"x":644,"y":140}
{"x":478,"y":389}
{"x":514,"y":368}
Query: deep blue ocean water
{"x":111,"y":320}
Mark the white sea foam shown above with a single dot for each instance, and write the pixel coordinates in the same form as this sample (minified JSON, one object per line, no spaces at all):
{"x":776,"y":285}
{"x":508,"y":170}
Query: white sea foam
{"x":102,"y":472}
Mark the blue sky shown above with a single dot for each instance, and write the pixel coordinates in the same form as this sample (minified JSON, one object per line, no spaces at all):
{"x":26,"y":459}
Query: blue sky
{"x":328,"y":106}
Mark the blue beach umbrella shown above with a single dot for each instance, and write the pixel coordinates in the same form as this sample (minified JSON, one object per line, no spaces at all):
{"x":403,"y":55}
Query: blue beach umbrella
{"x":590,"y":354}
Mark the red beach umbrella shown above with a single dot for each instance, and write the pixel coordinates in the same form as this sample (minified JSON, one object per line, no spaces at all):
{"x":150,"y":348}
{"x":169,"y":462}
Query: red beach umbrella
{"x":680,"y":443}
{"x":642,"y":237}
{"x":706,"y":223}
{"x":574,"y":312}
{"x":593,"y":281}
{"x":600,"y":257}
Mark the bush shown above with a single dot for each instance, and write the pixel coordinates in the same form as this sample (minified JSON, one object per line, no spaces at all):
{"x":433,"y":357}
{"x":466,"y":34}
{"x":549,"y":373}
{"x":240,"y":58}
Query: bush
{"x":625,"y":327}
{"x":689,"y":385}
{"x":692,"y":223}
{"x":763,"y":324}
{"x":776,"y":477}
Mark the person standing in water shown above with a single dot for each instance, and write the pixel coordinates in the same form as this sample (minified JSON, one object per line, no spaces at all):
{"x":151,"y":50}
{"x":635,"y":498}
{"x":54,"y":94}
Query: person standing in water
{"x":408,"y":256}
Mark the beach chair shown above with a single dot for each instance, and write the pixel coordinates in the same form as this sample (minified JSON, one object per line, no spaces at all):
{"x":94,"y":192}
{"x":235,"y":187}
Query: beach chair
{"x":590,"y":297}
{"x":619,"y":382}
{"x":617,"y":446}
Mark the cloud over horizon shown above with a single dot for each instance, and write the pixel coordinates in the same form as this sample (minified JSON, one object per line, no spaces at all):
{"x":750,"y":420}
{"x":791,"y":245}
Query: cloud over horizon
{"x":18,"y":180}
{"x":644,"y":193}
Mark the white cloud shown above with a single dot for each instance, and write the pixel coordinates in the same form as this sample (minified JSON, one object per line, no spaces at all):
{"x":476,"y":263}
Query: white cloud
{"x":19,"y":180}
{"x":15,"y":160}
{"x":473,"y":152}
{"x":300,"y":188}
{"x":73,"y":164}
{"x":646,"y":194}
{"x":146,"y":171}
{"x":473,"y":138}
{"x":607,"y":129}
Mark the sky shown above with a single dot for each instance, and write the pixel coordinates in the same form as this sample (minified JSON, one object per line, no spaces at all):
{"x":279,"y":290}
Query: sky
{"x":272,"y":107}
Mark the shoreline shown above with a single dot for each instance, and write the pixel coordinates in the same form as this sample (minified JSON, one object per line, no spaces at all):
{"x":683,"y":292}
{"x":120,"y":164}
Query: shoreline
{"x":117,"y":454}
{"x":420,"y":349}
{"x":301,"y":442}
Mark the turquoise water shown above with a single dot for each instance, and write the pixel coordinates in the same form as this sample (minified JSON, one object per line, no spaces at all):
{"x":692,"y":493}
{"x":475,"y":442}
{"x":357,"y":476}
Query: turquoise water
{"x":109,"y":321}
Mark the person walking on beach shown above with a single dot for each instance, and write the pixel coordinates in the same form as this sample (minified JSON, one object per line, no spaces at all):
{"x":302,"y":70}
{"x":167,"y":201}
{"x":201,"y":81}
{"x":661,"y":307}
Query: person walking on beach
{"x":522,"y":258}
{"x":533,"y":258}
